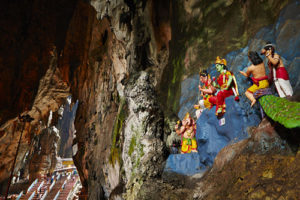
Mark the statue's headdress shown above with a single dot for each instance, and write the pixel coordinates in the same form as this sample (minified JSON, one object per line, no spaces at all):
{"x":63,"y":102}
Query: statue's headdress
{"x":203,"y":73}
{"x":187,"y":115}
{"x":269,"y":45}
{"x":221,"y":61}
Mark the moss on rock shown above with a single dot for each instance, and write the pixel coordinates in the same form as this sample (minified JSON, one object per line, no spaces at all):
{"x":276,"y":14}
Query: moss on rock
{"x":115,"y":151}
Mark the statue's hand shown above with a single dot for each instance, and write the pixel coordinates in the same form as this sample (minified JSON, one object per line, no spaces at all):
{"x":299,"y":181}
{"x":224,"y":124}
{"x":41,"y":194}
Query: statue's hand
{"x":225,"y":87}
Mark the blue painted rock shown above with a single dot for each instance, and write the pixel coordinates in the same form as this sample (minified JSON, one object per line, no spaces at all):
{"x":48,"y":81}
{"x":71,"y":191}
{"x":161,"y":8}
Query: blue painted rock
{"x":184,"y":164}
{"x":211,"y":138}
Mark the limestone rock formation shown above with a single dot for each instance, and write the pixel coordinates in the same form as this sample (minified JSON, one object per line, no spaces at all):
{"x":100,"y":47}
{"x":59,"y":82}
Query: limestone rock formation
{"x":50,"y":95}
{"x":66,"y":128}
{"x":124,"y":62}
{"x":44,"y":158}
{"x":261,"y":163}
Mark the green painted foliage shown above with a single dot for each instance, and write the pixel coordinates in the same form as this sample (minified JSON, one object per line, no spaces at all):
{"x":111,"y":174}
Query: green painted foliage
{"x":281,"y":110}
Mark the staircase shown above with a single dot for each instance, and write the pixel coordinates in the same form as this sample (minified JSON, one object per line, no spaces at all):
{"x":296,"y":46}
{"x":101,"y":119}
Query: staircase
{"x":68,"y":187}
{"x":61,"y":188}
{"x":56,"y":188}
{"x":32,"y":190}
{"x":41,"y":191}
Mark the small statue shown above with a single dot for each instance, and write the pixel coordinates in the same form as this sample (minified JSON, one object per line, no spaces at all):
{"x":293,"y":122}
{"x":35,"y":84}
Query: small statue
{"x":278,"y":73}
{"x":259,"y":77}
{"x":226,"y":82}
{"x":187,"y":130}
{"x":207,"y":91}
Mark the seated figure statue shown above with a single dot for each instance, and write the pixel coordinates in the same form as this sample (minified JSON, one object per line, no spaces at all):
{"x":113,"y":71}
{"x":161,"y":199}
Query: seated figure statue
{"x":259,"y":77}
{"x":227,"y":85}
{"x":187,"y":130}
{"x":207,"y":91}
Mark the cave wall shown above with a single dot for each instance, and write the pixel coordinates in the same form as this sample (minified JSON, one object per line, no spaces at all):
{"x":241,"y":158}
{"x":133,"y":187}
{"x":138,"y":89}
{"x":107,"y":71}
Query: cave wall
{"x":116,"y":59}
{"x":94,"y":51}
{"x":66,"y":128}
{"x":203,"y":30}
{"x":51,"y":93}
{"x":32,"y":36}
{"x":29,"y":30}
{"x":116,"y":123}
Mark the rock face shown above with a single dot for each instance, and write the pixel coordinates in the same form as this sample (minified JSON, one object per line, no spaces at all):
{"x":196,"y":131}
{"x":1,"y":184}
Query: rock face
{"x":29,"y":31}
{"x":113,"y":57}
{"x":184,"y":164}
{"x":44,"y":156}
{"x":66,"y":128}
{"x":261,"y":163}
{"x":51,"y":93}
{"x":103,"y":48}
{"x":143,"y":148}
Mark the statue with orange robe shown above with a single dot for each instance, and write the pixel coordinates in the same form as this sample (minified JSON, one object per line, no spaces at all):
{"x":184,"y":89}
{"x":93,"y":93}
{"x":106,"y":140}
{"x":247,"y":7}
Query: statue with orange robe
{"x":187,"y":130}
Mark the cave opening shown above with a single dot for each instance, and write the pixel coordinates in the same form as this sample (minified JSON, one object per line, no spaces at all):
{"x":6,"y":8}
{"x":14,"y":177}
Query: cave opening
{"x":47,"y":170}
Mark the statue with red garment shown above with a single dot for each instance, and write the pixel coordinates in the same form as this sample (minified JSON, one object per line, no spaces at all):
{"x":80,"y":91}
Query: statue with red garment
{"x":278,"y":73}
{"x":207,"y":91}
{"x":226,"y":83}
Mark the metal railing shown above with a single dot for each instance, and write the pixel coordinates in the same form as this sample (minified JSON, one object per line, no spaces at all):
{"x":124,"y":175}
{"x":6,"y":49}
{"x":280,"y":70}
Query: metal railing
{"x":73,"y":190}
{"x":20,"y":195}
{"x":56,"y":196}
{"x":32,"y":185}
{"x":45,"y":194}
{"x":41,"y":185}
{"x":58,"y":176}
{"x":51,"y":186}
{"x":31,"y":196}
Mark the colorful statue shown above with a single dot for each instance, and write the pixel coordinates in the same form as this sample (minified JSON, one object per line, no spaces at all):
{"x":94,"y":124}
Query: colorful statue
{"x":259,"y":77}
{"x":278,"y":73}
{"x":187,"y":130}
{"x":226,"y":82}
{"x":207,"y":91}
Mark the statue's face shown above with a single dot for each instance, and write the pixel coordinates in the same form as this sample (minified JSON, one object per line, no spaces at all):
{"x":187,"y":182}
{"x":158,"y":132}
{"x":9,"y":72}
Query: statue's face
{"x":219,"y":67}
{"x":203,"y":79}
{"x":189,"y":121}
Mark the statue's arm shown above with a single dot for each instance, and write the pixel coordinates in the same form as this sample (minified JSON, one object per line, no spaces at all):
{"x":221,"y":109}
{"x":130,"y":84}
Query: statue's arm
{"x":229,"y":81}
{"x":274,"y":60}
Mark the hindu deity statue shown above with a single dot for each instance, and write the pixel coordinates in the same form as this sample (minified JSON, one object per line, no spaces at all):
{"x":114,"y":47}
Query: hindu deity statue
{"x":187,"y":130}
{"x":207,"y":91}
{"x":259,"y":77}
{"x":226,"y":83}
{"x":278,"y":73}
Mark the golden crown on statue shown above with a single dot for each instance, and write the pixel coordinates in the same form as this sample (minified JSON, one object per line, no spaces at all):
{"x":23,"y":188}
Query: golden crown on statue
{"x":221,"y":61}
